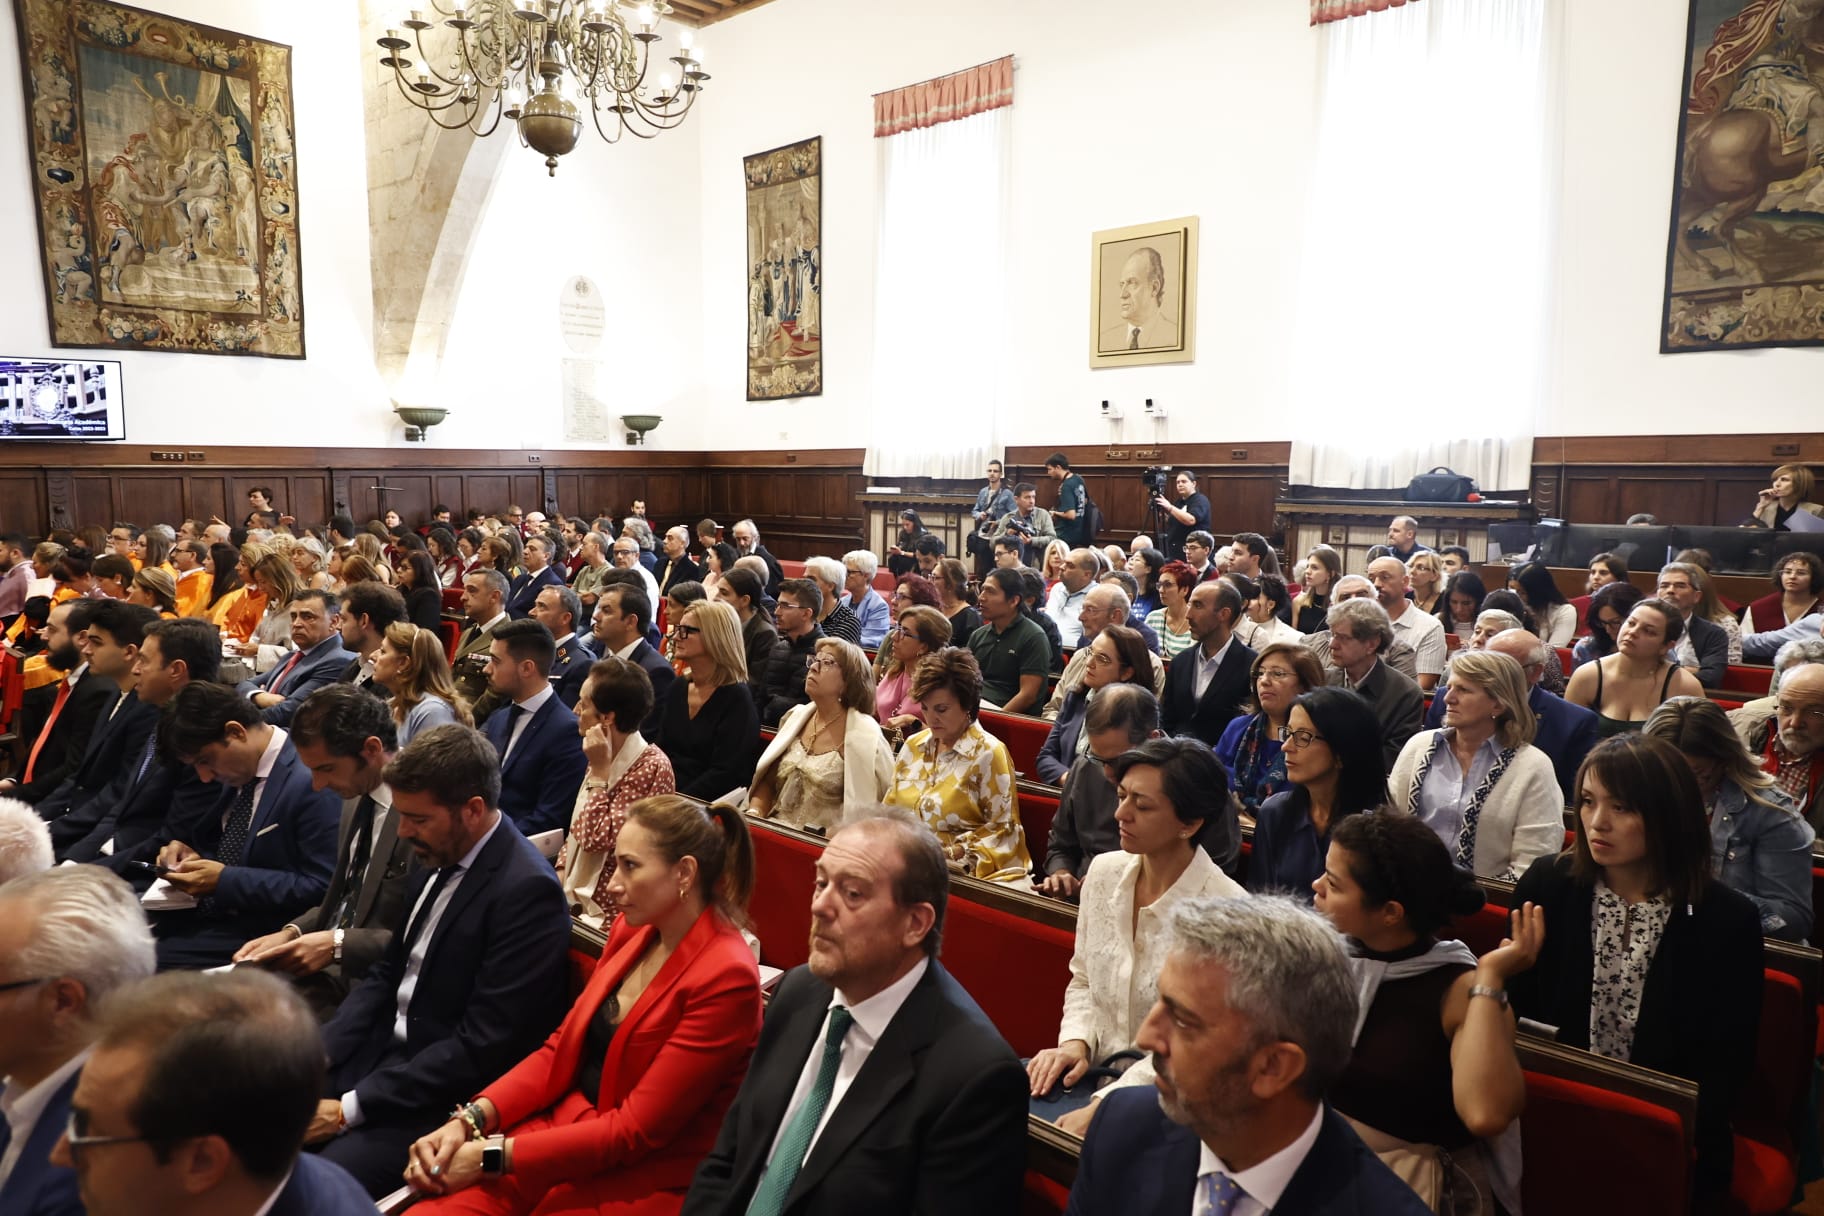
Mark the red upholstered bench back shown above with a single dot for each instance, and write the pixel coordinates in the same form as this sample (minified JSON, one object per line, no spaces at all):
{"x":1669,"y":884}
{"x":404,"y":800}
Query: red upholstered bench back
{"x":582,"y":966}
{"x":1782,"y":1063}
{"x":1015,"y":968}
{"x":1023,"y":736}
{"x":452,"y":638}
{"x":1607,"y":1152}
{"x":779,"y":913}
{"x":1481,"y":931}
{"x":1749,"y":681}
{"x":1038,"y":807}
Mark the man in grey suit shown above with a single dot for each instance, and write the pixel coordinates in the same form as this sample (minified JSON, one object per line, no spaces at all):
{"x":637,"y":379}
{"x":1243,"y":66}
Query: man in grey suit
{"x":344,"y":737}
{"x":1359,"y":633}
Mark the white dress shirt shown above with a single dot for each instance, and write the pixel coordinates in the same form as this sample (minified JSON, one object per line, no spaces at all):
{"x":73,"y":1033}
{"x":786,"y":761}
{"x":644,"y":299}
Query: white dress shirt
{"x":1065,"y":607}
{"x":1265,"y":1182}
{"x":414,"y":961}
{"x":1205,"y":670}
{"x":531,"y":705}
{"x":22,"y":1108}
{"x":871,"y":1019}
{"x":268,"y":758}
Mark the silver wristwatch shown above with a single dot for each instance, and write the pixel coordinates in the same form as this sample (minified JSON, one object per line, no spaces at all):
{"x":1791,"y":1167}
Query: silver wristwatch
{"x":336,"y":940}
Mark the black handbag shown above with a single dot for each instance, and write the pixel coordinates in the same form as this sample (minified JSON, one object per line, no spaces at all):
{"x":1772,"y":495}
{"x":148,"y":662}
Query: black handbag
{"x":1440,"y":485}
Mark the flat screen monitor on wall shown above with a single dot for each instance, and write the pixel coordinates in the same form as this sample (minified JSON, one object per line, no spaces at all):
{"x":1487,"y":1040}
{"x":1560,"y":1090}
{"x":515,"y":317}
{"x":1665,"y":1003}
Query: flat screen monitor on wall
{"x":60,"y":399}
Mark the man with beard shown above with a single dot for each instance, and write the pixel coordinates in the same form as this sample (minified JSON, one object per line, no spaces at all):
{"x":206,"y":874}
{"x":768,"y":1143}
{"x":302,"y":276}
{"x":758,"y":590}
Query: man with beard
{"x":1254,"y":1020}
{"x":66,"y":712}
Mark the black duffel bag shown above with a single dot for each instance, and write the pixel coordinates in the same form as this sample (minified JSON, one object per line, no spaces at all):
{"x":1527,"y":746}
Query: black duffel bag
{"x":1440,"y":485}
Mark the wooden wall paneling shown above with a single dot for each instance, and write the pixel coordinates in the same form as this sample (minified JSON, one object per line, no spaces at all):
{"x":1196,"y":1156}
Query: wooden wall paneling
{"x":148,"y":499}
{"x":491,"y":492}
{"x":449,"y":490}
{"x":92,"y":499}
{"x":1242,"y":503}
{"x":205,"y":497}
{"x":1673,"y":499}
{"x":23,"y":503}
{"x":1589,"y":497}
{"x":310,"y":498}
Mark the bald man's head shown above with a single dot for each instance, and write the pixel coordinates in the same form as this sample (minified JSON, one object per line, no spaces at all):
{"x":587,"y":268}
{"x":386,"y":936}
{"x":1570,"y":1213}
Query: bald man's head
{"x":1353,"y":587}
{"x":1523,"y":648}
{"x":1801,"y":709}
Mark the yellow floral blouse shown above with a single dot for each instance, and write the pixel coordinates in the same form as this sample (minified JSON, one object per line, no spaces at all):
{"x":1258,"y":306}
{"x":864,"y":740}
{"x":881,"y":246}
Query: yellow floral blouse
{"x":966,"y":796}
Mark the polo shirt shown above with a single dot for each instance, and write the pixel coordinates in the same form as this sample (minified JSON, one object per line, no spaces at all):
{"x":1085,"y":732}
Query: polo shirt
{"x":1004,"y":656}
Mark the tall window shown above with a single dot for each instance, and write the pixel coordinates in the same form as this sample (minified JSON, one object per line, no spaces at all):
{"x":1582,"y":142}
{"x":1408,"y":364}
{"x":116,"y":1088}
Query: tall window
{"x":940,"y":282}
{"x":1424,"y":300}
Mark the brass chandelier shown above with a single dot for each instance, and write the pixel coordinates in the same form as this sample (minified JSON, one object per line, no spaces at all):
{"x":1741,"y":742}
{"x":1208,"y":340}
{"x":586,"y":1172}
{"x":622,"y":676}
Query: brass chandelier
{"x":533,"y":61}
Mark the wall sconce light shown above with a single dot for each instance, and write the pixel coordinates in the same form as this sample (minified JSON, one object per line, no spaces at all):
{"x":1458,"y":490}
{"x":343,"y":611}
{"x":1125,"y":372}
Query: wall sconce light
{"x":419,"y":419}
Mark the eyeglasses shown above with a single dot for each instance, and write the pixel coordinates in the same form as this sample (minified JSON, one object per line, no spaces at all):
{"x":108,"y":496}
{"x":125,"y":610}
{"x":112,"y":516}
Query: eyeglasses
{"x":1098,"y":659}
{"x":72,"y":1134}
{"x":24,"y":983}
{"x":1805,"y":713}
{"x":1273,"y":675}
{"x":1610,"y":623}
{"x":1104,"y":761}
{"x":686,"y":631}
{"x":1301,"y":739}
{"x":819,"y":662}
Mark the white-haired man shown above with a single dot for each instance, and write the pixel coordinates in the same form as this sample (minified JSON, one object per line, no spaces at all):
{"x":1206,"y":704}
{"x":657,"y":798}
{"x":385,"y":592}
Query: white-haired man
{"x":25,"y":842}
{"x":747,"y":544}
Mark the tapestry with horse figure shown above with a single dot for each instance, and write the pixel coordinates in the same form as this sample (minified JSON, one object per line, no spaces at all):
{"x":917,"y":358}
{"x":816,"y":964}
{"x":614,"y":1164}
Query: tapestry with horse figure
{"x":165,"y":177}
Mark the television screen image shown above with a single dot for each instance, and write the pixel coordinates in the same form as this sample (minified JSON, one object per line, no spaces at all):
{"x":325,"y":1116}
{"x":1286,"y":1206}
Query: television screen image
{"x":60,"y":399}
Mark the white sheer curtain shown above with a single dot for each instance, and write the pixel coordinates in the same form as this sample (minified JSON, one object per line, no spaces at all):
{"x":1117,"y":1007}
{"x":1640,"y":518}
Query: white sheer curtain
{"x":1424,"y":301}
{"x":940,"y":298}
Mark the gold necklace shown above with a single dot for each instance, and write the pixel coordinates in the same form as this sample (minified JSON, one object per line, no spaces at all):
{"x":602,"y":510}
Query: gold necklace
{"x":814,"y":731}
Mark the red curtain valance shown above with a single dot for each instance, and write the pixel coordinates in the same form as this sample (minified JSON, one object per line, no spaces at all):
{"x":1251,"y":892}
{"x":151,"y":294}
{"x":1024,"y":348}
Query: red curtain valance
{"x":975,"y":90}
{"x":1337,"y":10}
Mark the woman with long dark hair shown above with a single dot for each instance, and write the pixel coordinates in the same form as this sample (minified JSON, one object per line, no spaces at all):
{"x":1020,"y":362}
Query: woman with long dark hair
{"x":1535,"y":586}
{"x":1609,"y":607}
{"x":1460,"y":602}
{"x":1337,"y":768}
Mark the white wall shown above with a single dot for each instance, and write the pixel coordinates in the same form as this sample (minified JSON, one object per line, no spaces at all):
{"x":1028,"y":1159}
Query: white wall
{"x":330,"y":397}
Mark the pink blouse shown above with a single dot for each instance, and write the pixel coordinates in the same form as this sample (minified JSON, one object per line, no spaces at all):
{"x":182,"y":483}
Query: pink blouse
{"x":893,"y":698}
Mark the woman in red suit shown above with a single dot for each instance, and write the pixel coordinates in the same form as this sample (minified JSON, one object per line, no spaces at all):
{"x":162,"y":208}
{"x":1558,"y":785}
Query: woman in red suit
{"x":614,"y":1112}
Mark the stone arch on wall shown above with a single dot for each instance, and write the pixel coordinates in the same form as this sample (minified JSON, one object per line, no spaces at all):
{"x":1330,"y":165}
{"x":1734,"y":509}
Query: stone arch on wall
{"x":427,"y":190}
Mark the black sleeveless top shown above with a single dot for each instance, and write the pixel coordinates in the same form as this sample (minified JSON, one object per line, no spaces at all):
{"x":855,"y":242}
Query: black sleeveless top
{"x":1607,"y":727}
{"x":596,"y":1039}
{"x":1398,"y":1079}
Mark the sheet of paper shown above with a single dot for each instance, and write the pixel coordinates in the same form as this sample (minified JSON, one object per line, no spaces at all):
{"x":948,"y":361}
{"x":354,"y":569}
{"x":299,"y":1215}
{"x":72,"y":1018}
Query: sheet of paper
{"x":161,"y":896}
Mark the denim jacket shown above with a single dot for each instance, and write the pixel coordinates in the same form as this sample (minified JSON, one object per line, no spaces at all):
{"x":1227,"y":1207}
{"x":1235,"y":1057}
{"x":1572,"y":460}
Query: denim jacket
{"x":1765,"y":853}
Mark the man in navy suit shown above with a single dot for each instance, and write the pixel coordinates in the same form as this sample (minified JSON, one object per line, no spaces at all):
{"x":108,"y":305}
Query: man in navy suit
{"x":1208,"y":684}
{"x":541,"y":752}
{"x":1565,"y":731}
{"x":622,"y":617}
{"x":266,"y":851}
{"x":473,"y":980}
{"x":540,"y":573}
{"x":68,"y":938}
{"x":111,"y":646}
{"x":223,"y":1069}
{"x":558,"y":609}
{"x":149,"y":793}
{"x":1236,"y":1122}
{"x":318,"y":660}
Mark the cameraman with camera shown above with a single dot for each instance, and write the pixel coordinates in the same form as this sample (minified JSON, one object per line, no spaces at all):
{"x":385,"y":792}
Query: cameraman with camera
{"x":1028,"y":521}
{"x":1191,"y":513}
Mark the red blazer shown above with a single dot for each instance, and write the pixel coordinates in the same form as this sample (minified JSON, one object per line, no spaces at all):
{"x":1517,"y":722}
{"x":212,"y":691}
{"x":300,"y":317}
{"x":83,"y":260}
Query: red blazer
{"x":671,"y":1071}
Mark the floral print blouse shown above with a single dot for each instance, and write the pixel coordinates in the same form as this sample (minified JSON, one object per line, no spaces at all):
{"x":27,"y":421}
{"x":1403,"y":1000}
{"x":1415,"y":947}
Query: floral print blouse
{"x":966,"y":796}
{"x":1625,"y":938}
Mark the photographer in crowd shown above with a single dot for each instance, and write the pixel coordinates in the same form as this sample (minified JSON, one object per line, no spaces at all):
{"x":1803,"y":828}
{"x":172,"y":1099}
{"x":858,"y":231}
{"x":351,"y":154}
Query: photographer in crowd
{"x":1190,"y":513}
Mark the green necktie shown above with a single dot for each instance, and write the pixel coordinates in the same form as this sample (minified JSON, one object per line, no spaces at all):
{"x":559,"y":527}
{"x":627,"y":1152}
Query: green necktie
{"x":769,"y":1197}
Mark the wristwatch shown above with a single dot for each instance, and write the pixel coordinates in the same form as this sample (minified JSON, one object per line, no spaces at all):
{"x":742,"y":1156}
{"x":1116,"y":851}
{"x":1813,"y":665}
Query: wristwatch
{"x":494,"y":1156}
{"x":336,"y":947}
{"x":1497,"y":995}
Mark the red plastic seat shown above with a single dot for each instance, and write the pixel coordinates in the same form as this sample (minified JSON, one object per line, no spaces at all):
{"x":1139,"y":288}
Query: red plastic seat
{"x":779,"y":911}
{"x":1766,"y":1154}
{"x":1014,"y":967}
{"x":1607,"y":1152}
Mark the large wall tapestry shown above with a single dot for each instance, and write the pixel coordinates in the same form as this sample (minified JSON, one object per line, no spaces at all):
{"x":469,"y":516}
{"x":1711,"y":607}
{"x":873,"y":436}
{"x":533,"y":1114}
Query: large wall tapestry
{"x":1745,"y":263}
{"x":785,"y":272}
{"x":166,"y":181}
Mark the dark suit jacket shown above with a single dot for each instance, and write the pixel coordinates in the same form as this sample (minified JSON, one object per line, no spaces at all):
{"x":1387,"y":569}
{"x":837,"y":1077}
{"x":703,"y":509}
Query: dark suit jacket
{"x":774,"y":571}
{"x":683,"y":570}
{"x":63,"y":750}
{"x":36,"y":1187}
{"x":539,"y":780}
{"x":381,"y":903}
{"x":1711,"y":645}
{"x":168,"y":803}
{"x":1182,"y":713}
{"x":1566,"y":731}
{"x":1398,"y":702}
{"x":492,"y":986}
{"x":322,"y":664}
{"x":659,"y":670}
{"x":321,"y":1188}
{"x":1699,"y":1012}
{"x":935,"y":1122}
{"x":570,"y":668}
{"x":424,"y":607}
{"x":519,"y":603}
{"x":351,"y":674}
{"x":290,"y":851}
{"x":117,"y":745}
{"x":1136,"y":1162}
{"x":1059,"y":750}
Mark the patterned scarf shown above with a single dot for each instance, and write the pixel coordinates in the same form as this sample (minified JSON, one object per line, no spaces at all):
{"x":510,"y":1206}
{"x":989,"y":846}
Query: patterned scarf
{"x":1256,"y":778}
{"x":1466,"y":839}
